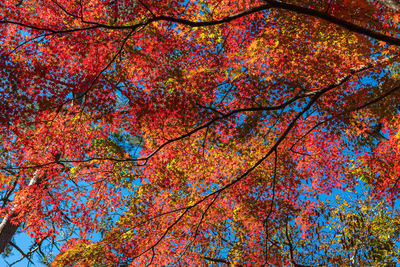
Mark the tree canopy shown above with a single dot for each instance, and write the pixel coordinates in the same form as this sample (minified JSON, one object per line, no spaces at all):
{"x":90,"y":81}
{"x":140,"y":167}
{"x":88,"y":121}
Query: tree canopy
{"x":166,"y":133}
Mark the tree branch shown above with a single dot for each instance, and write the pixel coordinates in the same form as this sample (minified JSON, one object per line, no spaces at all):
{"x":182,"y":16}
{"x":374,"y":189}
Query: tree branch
{"x":217,"y":260}
{"x":342,"y":23}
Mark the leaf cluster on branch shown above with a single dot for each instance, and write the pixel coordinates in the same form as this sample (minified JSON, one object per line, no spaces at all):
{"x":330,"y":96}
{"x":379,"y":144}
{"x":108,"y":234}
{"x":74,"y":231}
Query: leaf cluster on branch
{"x":200,"y":132}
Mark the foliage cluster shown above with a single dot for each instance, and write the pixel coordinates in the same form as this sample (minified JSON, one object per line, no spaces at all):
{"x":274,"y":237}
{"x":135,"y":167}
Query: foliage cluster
{"x":202,"y":132}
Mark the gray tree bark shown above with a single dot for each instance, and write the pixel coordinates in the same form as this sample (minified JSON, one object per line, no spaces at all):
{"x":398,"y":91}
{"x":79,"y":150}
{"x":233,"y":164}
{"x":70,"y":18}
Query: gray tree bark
{"x":7,"y":228}
{"x":392,"y":4}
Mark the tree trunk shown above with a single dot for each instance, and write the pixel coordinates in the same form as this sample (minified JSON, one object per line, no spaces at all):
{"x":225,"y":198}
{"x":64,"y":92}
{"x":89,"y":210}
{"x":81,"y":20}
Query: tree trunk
{"x":7,"y":228}
{"x":392,"y":4}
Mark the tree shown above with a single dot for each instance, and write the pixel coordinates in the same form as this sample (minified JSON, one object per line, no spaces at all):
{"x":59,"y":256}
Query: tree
{"x":194,"y":132}
{"x":350,"y":230}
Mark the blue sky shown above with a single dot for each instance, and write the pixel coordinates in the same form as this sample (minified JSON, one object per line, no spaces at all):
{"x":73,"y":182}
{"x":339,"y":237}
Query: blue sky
{"x":24,"y":241}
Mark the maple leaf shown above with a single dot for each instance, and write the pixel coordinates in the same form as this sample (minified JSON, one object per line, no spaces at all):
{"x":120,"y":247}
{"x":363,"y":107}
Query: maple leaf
{"x":196,"y":132}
